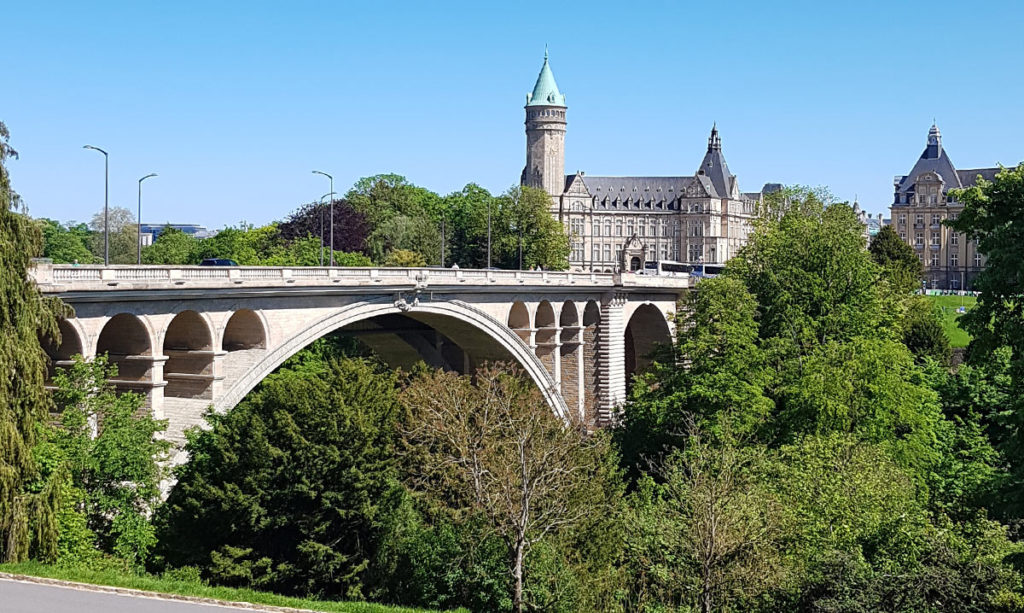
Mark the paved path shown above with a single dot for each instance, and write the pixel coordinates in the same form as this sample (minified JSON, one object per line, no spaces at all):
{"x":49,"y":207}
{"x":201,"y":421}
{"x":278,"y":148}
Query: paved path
{"x":24,"y":597}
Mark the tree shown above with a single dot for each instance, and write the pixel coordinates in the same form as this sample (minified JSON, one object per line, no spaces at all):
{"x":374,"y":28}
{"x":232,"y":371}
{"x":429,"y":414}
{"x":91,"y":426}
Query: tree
{"x":404,"y":258}
{"x":466,"y":212}
{"x":812,"y":276}
{"x":27,"y":517}
{"x":723,"y":384}
{"x":494,"y":447}
{"x":901,"y":264}
{"x":108,"y":447}
{"x":172,"y":247}
{"x":382,"y":197}
{"x":350,"y":226}
{"x":124,"y":236}
{"x":66,"y":244}
{"x":524,"y":234}
{"x":709,"y":538}
{"x":922,"y":330}
{"x":8,"y":199}
{"x":289,"y":490}
{"x":993,"y":215}
{"x":419,"y":235}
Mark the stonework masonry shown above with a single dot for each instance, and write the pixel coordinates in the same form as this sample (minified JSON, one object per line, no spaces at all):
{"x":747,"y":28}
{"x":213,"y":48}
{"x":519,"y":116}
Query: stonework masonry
{"x":190,"y":338}
{"x":922,"y":201}
{"x":698,"y":218}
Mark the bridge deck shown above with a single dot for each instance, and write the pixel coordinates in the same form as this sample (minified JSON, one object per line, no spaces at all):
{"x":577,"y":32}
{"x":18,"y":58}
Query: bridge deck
{"x":61,"y":279}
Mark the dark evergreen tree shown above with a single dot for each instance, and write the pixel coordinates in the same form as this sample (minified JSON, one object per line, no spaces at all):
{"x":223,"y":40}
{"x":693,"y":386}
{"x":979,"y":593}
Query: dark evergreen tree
{"x":902,"y":265}
{"x":287,"y":491}
{"x":27,"y":516}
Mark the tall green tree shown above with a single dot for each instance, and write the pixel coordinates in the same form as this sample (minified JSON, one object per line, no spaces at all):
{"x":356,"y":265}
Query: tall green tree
{"x":723,"y":384}
{"x":490,"y":445}
{"x":419,"y":235}
{"x":993,"y":216}
{"x":66,"y":244}
{"x":382,"y":197}
{"x":107,"y":448}
{"x":467,"y":212}
{"x":898,"y":259}
{"x":124,"y":235}
{"x":172,"y":247}
{"x":287,"y":491}
{"x":27,"y":516}
{"x":525,"y":235}
{"x":810,"y":272}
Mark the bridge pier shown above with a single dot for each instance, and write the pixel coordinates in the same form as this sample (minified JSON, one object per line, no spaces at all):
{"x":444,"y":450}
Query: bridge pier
{"x":611,"y":359}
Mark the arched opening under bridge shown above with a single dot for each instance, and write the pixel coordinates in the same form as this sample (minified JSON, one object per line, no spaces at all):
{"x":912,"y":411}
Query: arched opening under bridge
{"x":450,"y":335}
{"x":647,"y":330}
{"x":127,"y":343}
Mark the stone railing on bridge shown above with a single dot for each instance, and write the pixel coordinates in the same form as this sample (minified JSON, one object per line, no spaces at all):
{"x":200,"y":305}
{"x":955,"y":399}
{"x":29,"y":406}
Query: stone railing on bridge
{"x":70,"y":278}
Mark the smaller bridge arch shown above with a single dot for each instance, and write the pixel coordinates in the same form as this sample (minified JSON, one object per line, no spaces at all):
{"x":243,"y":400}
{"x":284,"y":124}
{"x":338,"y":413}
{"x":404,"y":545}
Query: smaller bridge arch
{"x":646,"y":330}
{"x":127,"y":341}
{"x":61,"y":353}
{"x":570,"y":356}
{"x":245,"y":330}
{"x":520,"y":322}
{"x":188,"y":345}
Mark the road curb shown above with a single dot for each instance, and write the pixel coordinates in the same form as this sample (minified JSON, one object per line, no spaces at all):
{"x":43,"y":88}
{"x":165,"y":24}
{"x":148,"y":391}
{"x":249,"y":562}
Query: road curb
{"x":124,"y":591}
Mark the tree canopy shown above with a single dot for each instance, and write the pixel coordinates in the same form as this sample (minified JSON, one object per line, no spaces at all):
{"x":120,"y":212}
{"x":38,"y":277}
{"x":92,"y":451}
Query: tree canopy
{"x":27,"y":514}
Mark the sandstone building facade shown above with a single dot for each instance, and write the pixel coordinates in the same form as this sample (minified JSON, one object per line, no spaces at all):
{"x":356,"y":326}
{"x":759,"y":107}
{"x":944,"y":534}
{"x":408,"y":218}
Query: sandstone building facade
{"x":618,"y":223}
{"x":921,"y":202}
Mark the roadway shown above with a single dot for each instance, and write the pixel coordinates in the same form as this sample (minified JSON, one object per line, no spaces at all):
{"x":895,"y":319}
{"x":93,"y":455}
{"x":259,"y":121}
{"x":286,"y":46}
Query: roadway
{"x":26,"y":597}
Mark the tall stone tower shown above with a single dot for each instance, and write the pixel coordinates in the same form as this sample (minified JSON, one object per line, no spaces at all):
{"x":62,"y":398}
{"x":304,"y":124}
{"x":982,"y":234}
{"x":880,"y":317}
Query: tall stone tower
{"x":545,"y":135}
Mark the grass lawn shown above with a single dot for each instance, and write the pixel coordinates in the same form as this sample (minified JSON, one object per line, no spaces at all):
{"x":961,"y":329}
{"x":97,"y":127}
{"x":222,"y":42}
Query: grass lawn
{"x":153,"y":583}
{"x":949,"y":306}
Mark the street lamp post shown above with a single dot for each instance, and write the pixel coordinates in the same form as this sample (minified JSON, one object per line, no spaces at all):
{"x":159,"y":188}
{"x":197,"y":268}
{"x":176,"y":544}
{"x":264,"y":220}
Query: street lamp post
{"x":322,"y":226}
{"x":317,"y":172}
{"x":488,"y":233}
{"x":106,"y":203}
{"x":152,"y":174}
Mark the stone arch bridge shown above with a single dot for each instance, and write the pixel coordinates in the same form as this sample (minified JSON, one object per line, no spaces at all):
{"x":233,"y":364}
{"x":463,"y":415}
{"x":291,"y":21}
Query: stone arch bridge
{"x":191,"y":337}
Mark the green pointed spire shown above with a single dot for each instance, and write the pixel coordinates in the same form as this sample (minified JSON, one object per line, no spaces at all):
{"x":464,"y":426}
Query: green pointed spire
{"x":545,"y":92}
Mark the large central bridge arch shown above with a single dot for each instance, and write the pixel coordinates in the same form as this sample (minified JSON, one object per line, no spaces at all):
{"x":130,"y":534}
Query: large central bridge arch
{"x":460,"y":322}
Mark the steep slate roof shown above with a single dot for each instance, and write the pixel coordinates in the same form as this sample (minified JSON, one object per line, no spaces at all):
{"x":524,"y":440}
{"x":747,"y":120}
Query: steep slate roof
{"x":630,"y":192}
{"x":970,"y":176}
{"x":545,"y":91}
{"x":714,"y":167}
{"x":933,"y":159}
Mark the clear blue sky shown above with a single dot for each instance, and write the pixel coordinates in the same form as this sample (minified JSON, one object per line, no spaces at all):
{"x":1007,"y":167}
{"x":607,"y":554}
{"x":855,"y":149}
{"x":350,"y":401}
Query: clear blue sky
{"x":233,"y":104}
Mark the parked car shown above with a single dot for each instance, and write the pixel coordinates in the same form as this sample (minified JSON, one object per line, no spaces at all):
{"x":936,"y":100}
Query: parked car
{"x":218,"y":262}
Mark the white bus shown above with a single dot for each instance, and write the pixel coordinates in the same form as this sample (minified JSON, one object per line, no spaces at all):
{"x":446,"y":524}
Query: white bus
{"x":665,"y":268}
